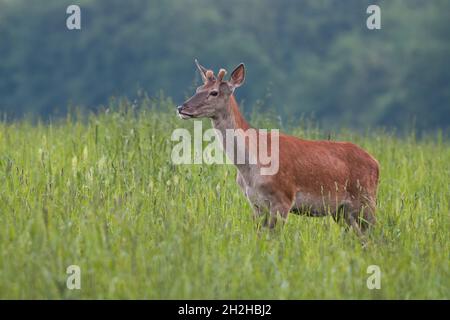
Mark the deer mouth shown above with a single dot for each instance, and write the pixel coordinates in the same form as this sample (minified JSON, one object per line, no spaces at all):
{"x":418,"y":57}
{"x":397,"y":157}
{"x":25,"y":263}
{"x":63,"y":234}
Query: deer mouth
{"x":184,"y":115}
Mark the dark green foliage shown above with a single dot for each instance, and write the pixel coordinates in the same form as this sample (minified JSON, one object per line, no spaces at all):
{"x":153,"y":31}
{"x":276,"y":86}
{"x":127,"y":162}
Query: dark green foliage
{"x":303,"y":57}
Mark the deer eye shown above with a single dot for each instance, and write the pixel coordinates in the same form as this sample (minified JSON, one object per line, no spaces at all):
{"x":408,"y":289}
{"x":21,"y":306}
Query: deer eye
{"x":214,"y":93}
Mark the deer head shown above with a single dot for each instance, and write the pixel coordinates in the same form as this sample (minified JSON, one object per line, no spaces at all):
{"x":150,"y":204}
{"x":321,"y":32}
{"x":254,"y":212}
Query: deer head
{"x":213,"y":96}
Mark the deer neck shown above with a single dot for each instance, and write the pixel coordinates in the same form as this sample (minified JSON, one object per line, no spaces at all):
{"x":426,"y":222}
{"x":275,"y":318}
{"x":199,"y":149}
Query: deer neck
{"x":230,"y":119}
{"x":233,"y":120}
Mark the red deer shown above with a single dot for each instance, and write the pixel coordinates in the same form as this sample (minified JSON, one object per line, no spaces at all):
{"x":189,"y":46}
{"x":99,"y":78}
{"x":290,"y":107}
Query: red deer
{"x":315,"y":178}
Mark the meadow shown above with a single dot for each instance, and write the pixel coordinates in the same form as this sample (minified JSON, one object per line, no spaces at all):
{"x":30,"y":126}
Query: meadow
{"x":101,"y":192}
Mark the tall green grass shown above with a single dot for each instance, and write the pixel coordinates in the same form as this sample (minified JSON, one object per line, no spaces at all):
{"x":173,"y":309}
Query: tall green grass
{"x":103,"y":194}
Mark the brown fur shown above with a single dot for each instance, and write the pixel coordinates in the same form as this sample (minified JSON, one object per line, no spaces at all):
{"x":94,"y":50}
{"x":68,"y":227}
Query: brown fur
{"x":341,"y":174}
{"x":315,"y":178}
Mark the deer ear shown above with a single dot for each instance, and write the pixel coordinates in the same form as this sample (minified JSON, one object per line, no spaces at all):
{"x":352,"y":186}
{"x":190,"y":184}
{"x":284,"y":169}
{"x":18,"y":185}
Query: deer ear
{"x":202,"y":70}
{"x":238,"y":76}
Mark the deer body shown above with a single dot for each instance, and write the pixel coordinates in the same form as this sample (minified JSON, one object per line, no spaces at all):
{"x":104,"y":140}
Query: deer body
{"x":315,"y":178}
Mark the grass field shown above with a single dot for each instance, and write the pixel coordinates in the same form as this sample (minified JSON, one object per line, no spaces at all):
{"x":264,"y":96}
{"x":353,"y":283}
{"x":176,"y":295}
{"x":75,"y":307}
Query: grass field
{"x":102,"y":193}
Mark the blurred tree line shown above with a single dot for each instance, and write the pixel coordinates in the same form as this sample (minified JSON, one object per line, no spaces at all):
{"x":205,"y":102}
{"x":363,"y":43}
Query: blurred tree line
{"x":303,"y":57}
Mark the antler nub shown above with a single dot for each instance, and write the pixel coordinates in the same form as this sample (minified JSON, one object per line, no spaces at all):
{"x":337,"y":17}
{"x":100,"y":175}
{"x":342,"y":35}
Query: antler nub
{"x":221,"y":74}
{"x":209,"y":75}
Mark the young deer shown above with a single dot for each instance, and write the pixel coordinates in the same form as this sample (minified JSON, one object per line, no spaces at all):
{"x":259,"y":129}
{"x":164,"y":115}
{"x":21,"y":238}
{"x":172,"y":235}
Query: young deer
{"x":315,"y":178}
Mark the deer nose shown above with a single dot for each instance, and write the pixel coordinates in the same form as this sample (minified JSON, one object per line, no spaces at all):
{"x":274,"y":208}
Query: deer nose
{"x":179,"y":108}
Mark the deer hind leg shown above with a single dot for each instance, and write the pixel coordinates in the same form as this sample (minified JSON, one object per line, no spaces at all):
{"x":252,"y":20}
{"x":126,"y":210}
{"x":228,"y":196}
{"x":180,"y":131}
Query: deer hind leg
{"x":350,"y":216}
{"x":359,"y":218}
{"x":367,"y":217}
